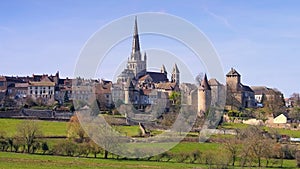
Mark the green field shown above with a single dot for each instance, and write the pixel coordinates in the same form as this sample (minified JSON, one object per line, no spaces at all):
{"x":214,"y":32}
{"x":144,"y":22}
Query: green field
{"x":30,"y":161}
{"x":48,"y":128}
{"x":17,"y":161}
{"x":128,"y":130}
{"x":291,"y":133}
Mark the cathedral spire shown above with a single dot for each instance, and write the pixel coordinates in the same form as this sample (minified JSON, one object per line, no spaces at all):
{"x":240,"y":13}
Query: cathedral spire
{"x":175,"y":75}
{"x":135,"y":41}
{"x":163,"y":70}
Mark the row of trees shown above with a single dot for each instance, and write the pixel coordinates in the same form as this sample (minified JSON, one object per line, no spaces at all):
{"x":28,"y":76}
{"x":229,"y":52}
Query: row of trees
{"x":255,"y":145}
{"x":250,"y":147}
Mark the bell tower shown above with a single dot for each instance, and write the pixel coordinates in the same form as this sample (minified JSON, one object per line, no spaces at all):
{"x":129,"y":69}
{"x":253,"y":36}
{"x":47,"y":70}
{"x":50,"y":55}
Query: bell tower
{"x":136,"y":63}
{"x":175,"y":75}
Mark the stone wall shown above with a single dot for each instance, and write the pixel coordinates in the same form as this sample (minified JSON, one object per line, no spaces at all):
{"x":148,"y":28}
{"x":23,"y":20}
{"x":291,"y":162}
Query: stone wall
{"x":36,"y":114}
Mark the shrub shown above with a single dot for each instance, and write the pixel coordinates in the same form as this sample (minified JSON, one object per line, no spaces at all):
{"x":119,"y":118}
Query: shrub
{"x":45,"y":147}
{"x":195,"y":156}
{"x":66,"y":147}
{"x":181,"y":157}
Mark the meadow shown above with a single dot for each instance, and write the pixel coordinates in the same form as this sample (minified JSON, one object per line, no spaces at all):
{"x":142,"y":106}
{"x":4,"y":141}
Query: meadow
{"x":48,"y":128}
{"x":55,"y":128}
{"x":32,"y":161}
{"x":291,"y":133}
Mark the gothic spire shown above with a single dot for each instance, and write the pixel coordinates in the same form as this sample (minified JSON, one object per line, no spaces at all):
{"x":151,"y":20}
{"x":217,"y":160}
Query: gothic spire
{"x":175,"y":69}
{"x":135,"y":41}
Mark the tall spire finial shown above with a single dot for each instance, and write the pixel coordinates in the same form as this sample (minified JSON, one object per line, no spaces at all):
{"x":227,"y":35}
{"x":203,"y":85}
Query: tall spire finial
{"x":135,"y":42}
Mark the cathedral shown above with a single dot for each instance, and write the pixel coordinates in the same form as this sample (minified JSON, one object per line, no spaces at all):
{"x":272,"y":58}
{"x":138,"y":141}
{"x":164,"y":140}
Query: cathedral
{"x":137,"y":65}
{"x":140,"y":87}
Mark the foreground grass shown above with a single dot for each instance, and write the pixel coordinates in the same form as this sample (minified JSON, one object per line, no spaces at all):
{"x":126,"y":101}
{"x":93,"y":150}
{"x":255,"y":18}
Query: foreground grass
{"x":48,"y":128}
{"x":26,"y":161}
{"x":16,"y":161}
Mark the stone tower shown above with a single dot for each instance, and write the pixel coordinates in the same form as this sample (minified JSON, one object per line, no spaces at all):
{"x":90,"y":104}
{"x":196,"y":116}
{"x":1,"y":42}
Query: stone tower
{"x":163,"y":70}
{"x":204,"y":96}
{"x":136,"y":63}
{"x":233,"y":80}
{"x":128,"y":92}
{"x":175,"y":75}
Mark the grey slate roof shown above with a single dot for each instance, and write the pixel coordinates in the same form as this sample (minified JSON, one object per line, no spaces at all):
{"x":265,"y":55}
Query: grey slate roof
{"x":233,"y":72}
{"x":157,"y":77}
{"x":204,"y":84}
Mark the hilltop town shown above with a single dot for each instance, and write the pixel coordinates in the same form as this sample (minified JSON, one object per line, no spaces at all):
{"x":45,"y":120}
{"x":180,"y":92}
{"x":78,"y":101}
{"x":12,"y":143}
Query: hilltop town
{"x":141,"y":88}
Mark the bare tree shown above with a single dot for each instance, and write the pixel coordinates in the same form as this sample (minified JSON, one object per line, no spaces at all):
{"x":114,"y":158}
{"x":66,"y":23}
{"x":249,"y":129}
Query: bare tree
{"x":295,"y":97}
{"x":256,"y":145}
{"x":199,"y":78}
{"x":103,"y":135}
{"x":28,"y":131}
{"x":295,"y":114}
{"x":233,"y":147}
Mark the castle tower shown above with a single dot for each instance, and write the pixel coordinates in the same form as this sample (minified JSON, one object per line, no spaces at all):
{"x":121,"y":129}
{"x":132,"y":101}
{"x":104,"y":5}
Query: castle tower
{"x":128,"y":92}
{"x":204,"y":96}
{"x":163,"y":70}
{"x":233,"y":80}
{"x":175,"y":75}
{"x":135,"y":62}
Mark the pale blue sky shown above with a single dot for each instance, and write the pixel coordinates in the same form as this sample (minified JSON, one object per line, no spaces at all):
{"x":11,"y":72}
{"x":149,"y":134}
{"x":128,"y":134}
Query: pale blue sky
{"x":261,"y":39}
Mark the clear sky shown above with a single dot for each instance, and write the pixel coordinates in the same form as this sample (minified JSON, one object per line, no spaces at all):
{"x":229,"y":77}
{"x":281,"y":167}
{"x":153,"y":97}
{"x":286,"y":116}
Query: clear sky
{"x":261,"y":39}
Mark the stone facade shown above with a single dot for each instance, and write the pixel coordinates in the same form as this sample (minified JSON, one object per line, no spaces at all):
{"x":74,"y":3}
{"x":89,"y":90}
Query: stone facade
{"x":43,"y":90}
{"x":239,"y":96}
{"x":137,"y":86}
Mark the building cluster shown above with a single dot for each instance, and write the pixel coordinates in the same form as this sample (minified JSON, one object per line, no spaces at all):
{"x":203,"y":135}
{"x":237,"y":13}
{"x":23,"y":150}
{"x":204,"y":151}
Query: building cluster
{"x":137,"y":86}
{"x":48,"y":89}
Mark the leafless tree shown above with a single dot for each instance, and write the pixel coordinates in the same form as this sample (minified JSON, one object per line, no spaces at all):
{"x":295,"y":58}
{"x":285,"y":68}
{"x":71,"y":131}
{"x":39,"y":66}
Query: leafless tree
{"x":256,"y":145}
{"x":233,"y":147}
{"x":28,"y":131}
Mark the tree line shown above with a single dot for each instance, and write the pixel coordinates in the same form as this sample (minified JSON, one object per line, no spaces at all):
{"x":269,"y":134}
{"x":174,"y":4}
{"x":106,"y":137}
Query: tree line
{"x":250,"y":147}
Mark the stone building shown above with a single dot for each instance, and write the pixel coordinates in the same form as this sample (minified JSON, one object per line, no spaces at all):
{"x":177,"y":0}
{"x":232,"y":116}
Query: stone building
{"x":204,"y":96}
{"x":135,"y":85}
{"x":238,"y":96}
{"x":42,"y":90}
{"x":263,"y":94}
